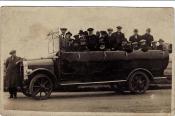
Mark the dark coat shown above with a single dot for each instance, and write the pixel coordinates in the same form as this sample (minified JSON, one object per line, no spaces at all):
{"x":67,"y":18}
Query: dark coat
{"x":116,"y":40}
{"x":92,"y":42}
{"x":12,"y":71}
{"x":134,"y":38}
{"x":149,"y":38}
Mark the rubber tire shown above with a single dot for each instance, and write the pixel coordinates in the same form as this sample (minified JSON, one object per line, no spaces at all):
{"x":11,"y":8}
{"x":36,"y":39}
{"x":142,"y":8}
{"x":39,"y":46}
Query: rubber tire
{"x":130,"y":82}
{"x":32,"y":82}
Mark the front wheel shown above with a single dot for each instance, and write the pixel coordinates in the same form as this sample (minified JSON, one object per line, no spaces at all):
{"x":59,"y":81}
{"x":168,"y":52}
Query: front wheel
{"x":138,"y":82}
{"x":41,"y":87}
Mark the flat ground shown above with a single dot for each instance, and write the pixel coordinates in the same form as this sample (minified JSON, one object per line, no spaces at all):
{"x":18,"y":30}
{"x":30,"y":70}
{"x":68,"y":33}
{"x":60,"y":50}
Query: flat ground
{"x":153,"y":101}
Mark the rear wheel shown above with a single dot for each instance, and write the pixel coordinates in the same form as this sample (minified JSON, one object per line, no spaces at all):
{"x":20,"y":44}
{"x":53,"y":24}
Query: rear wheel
{"x":138,"y":82}
{"x":41,"y":87}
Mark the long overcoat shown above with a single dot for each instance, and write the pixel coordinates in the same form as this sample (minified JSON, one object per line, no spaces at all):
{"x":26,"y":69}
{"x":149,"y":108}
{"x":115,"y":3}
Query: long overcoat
{"x":12,"y":71}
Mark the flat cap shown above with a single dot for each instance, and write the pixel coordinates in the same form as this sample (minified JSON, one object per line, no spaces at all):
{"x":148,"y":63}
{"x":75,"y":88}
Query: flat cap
{"x":103,"y":32}
{"x":12,"y":52}
{"x":90,"y":29}
{"x":161,"y":40}
{"x":69,"y":33}
{"x":63,"y":28}
{"x":81,"y":32}
{"x":148,"y":29}
{"x":109,"y":29}
{"x":119,"y":27}
{"x":135,"y":30}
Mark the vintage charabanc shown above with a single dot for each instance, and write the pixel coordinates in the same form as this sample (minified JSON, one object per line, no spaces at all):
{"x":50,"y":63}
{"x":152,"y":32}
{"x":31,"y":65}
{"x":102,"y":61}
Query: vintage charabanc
{"x":121,"y":70}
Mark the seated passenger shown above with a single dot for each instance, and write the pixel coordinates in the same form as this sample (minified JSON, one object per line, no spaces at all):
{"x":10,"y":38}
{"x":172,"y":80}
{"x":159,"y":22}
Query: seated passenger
{"x":62,"y":40}
{"x":83,"y":41}
{"x":148,"y":37}
{"x":154,"y":45}
{"x":143,"y":46}
{"x":110,"y":31}
{"x":69,"y":41}
{"x":103,"y":41}
{"x":135,"y":46}
{"x":92,"y":41}
{"x":161,"y":45}
{"x":117,"y":38}
{"x":126,"y":46}
{"x":135,"y":37}
{"x":76,"y":43}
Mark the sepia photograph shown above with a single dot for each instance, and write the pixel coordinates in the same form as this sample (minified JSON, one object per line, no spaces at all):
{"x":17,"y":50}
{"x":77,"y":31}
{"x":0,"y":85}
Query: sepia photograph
{"x":87,"y":59}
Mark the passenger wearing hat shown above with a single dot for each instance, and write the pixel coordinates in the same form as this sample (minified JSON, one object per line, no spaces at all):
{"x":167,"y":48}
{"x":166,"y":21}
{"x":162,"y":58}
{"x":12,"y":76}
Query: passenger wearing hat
{"x":135,"y":37}
{"x":76,"y":43}
{"x":154,"y":45}
{"x":92,"y":41}
{"x":103,"y":41}
{"x":12,"y":73}
{"x":148,"y":37}
{"x":161,"y":45}
{"x":83,"y":41}
{"x":110,"y":31}
{"x":63,"y":32}
{"x":117,"y":38}
{"x":62,"y":39}
{"x":69,"y":40}
{"x":143,"y":46}
{"x":135,"y":46}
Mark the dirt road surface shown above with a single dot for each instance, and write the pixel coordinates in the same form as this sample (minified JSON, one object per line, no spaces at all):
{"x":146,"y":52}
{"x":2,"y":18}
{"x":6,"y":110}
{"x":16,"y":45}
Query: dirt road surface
{"x":154,"y":101}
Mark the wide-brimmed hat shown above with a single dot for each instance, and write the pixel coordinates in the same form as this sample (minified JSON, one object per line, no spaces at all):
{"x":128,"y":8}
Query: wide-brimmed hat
{"x":12,"y":52}
{"x":119,"y":27}
{"x":90,"y":29}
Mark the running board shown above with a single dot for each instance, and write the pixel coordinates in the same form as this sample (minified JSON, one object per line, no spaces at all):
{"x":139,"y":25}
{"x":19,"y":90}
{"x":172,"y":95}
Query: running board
{"x":156,"y":78}
{"x":89,"y":83}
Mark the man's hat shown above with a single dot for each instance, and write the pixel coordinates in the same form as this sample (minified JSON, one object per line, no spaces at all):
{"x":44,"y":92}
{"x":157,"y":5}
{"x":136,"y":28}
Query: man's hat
{"x":119,"y":27}
{"x":63,"y":28}
{"x":85,"y":33}
{"x":135,"y":30}
{"x":90,"y":29}
{"x":12,"y":52}
{"x":103,"y":32}
{"x":161,"y":40}
{"x":69,"y":33}
{"x":148,"y":29}
{"x":81,"y":32}
{"x":109,"y":29}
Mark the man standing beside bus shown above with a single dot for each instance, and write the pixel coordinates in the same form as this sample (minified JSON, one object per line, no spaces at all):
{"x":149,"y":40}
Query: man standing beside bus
{"x":12,"y":73}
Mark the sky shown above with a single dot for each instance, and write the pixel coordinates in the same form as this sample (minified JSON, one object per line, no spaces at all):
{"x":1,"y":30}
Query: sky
{"x":25,"y":29}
